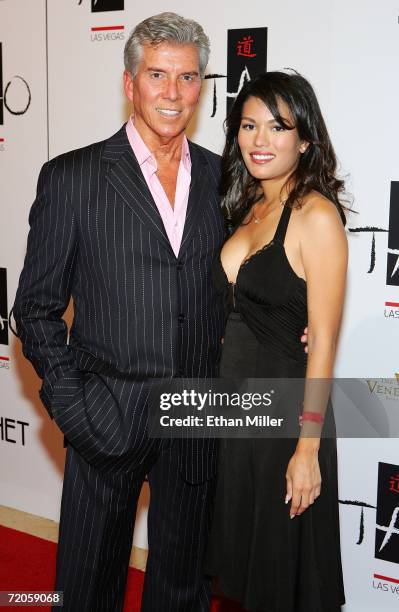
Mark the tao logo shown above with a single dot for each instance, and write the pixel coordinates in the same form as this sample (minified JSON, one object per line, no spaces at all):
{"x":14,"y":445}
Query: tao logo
{"x":3,"y":94}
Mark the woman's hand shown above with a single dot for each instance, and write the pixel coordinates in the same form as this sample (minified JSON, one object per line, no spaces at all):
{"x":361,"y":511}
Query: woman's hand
{"x":303,"y":477}
{"x":304,"y":340}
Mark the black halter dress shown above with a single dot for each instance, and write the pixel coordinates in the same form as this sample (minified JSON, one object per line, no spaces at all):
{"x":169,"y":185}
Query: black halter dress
{"x":260,"y":556}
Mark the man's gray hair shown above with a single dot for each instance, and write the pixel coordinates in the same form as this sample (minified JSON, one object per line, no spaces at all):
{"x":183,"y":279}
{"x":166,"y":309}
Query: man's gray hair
{"x":170,"y":28}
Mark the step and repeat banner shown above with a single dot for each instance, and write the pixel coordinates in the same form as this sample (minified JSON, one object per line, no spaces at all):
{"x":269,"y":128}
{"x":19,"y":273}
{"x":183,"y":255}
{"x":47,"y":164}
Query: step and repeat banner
{"x":61,"y":64}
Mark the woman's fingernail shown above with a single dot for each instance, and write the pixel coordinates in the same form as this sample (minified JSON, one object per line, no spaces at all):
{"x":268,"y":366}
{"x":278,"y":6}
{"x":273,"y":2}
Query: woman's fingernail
{"x":292,"y":516}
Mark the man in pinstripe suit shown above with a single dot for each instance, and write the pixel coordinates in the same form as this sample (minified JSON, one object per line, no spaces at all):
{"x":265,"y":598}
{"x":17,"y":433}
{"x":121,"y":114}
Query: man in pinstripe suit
{"x":128,"y":227}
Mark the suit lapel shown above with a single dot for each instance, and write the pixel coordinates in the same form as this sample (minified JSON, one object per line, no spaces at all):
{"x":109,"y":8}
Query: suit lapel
{"x":196,"y":198}
{"x":125,"y":176}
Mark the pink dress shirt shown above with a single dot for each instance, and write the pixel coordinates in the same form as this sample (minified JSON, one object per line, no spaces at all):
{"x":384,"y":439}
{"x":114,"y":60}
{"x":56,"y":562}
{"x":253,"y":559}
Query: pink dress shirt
{"x":173,"y":218}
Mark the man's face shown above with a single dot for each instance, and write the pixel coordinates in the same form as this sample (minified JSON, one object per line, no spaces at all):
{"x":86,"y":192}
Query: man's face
{"x":165,"y":91}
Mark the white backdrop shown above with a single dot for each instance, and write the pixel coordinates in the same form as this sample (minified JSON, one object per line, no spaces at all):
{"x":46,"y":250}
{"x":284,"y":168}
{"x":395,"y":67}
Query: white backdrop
{"x":349,"y":51}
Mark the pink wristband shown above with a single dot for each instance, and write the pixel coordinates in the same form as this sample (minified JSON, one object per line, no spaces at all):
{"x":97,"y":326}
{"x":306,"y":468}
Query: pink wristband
{"x":315,"y":417}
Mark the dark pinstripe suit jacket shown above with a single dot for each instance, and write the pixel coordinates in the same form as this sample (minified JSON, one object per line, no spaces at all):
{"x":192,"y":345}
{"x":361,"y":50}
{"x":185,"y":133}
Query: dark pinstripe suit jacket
{"x":139,"y":312}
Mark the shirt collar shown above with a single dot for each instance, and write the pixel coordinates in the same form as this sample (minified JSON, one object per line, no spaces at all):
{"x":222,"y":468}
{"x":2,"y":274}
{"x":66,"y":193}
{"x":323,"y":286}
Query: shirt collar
{"x":144,"y":155}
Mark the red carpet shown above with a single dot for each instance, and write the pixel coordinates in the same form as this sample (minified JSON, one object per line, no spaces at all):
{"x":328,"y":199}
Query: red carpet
{"x":28,"y":563}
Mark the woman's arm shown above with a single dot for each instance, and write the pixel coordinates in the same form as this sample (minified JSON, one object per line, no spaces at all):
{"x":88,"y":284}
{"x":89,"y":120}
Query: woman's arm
{"x":324,"y":253}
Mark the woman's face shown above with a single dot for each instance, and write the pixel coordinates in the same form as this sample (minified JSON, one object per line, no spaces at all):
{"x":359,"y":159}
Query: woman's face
{"x":270,"y":152}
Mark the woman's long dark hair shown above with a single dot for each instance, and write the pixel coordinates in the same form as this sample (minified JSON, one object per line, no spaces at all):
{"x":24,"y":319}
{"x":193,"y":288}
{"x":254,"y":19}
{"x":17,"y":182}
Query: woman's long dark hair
{"x":316,"y":169}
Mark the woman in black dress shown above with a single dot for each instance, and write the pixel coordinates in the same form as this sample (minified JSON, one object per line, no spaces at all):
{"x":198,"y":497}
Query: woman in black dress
{"x":275,"y":543}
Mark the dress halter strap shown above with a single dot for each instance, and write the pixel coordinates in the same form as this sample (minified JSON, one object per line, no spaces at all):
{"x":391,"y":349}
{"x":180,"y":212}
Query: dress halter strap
{"x":281,"y":230}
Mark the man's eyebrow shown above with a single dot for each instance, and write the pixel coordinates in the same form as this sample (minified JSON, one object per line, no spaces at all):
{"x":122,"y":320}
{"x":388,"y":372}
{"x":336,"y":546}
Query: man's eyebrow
{"x":155,"y":69}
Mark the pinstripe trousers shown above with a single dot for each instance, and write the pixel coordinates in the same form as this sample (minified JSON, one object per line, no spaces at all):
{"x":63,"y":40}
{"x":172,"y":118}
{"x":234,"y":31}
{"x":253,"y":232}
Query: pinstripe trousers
{"x":96,"y":530}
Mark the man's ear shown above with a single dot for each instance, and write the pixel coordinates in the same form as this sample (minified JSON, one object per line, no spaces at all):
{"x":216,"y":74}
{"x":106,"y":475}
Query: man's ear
{"x":128,"y":85}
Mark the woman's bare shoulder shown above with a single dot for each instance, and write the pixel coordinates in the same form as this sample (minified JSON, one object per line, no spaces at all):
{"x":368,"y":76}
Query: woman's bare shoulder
{"x":317,"y":212}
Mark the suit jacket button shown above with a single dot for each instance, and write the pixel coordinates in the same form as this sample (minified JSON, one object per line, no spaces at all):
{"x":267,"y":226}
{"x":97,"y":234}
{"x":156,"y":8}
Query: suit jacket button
{"x":181,"y":318}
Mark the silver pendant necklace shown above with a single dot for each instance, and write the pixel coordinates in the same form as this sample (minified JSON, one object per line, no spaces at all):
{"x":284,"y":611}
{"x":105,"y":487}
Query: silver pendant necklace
{"x":255,"y":218}
{"x":258,"y":220}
